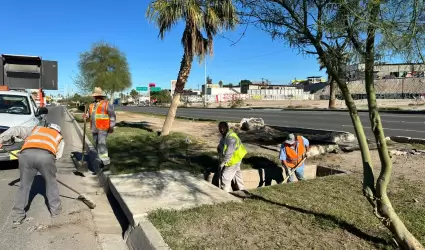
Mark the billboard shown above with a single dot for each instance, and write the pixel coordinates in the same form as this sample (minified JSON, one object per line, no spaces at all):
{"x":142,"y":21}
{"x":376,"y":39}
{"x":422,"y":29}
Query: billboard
{"x":173,"y":86}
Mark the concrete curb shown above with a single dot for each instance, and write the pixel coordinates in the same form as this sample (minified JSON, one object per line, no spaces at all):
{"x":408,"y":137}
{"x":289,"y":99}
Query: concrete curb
{"x":405,"y":139}
{"x":137,"y":237}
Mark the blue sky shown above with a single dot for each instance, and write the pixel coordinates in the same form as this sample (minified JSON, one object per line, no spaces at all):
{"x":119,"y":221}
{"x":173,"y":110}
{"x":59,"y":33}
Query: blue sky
{"x":60,"y":30}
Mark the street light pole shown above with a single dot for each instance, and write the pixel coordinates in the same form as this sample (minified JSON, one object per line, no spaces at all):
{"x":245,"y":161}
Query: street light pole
{"x":205,"y":86}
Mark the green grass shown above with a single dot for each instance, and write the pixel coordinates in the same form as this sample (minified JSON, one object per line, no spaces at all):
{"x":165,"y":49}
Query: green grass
{"x":134,"y":150}
{"x":326,"y":213}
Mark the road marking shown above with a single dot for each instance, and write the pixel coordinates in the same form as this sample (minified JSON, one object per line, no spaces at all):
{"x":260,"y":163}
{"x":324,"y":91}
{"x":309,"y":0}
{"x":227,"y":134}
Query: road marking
{"x":397,"y":129}
{"x":403,"y":122}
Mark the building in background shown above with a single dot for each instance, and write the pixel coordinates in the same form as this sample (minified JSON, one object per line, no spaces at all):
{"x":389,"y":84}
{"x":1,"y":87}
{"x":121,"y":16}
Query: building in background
{"x":215,"y":89}
{"x":356,"y":72}
{"x":392,"y":81}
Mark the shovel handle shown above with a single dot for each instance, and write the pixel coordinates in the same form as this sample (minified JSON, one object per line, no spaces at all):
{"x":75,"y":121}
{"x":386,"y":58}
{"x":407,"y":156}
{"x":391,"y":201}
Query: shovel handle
{"x":70,"y":188}
{"x":293,"y":170}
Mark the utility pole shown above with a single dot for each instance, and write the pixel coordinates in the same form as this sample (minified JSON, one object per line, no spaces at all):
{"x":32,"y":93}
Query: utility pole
{"x":205,"y":86}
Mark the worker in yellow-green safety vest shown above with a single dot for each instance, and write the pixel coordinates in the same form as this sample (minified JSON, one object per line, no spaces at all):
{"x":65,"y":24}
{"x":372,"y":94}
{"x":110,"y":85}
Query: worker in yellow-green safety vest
{"x":231,"y":152}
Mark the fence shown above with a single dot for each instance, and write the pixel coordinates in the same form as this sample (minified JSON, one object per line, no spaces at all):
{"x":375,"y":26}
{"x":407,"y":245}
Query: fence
{"x":230,"y":97}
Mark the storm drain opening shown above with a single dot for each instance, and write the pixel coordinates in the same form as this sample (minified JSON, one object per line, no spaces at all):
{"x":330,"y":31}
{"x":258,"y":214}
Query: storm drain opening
{"x":257,"y":178}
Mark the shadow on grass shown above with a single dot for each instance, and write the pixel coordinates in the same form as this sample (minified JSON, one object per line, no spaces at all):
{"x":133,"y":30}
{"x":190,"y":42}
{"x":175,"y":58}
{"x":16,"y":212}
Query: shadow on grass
{"x":141,"y":125}
{"x":322,"y":217}
{"x":135,"y":149}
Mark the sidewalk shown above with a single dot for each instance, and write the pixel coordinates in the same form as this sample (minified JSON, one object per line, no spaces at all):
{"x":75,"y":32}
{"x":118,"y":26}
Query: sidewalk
{"x":77,"y":227}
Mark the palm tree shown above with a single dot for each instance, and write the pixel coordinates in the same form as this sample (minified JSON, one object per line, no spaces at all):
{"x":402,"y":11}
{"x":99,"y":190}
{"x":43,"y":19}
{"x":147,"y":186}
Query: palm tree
{"x":201,"y":17}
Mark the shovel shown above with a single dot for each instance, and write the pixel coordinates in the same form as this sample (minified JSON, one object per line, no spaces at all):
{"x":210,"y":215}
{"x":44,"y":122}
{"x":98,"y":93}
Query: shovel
{"x":82,"y":165}
{"x":293,"y":169}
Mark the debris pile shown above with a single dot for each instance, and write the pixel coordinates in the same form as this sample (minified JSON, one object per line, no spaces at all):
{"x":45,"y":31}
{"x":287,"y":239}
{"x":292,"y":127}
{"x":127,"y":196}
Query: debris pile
{"x":401,"y":152}
{"x":249,"y":124}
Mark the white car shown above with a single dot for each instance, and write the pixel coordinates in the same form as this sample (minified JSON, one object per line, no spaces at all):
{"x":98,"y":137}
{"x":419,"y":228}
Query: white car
{"x":17,"y":108}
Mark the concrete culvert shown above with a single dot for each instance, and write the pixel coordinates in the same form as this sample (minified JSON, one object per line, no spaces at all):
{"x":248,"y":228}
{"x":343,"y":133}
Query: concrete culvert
{"x":272,"y":175}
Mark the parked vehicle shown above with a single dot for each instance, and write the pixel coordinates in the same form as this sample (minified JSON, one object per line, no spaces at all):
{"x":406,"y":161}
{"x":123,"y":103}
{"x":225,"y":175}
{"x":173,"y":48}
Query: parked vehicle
{"x":17,"y":108}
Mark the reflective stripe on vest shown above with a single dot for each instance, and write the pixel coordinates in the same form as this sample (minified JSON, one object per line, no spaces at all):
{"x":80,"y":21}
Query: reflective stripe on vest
{"x":293,"y":157}
{"x":101,"y":116}
{"x":43,"y":138}
{"x":240,"y":150}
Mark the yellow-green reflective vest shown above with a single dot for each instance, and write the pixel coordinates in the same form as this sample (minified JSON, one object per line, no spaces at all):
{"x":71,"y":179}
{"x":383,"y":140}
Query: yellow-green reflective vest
{"x":240,"y":150}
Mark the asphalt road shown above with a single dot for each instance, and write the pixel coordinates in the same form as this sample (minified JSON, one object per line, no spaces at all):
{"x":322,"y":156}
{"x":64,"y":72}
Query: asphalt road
{"x":74,"y":228}
{"x":412,"y":125}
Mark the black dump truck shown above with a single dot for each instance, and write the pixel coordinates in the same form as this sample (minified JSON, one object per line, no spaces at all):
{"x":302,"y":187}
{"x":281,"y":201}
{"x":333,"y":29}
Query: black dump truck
{"x":28,"y":72}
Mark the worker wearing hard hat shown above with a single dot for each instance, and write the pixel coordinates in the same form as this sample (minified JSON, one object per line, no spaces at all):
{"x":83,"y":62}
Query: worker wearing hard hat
{"x":102,"y":116}
{"x":42,"y":147}
{"x":231,"y":152}
{"x":292,"y":155}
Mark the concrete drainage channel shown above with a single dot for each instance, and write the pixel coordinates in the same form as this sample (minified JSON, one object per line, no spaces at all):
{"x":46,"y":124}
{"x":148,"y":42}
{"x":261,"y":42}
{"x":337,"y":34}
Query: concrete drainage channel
{"x":257,"y":178}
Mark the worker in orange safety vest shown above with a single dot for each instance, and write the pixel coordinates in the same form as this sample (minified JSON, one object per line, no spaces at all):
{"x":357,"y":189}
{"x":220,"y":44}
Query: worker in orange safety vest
{"x":102,"y":122}
{"x":292,"y":152}
{"x":42,"y":147}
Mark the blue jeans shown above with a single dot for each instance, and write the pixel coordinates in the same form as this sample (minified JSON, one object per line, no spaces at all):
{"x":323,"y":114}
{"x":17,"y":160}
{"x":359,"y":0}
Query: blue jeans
{"x":299,"y":173}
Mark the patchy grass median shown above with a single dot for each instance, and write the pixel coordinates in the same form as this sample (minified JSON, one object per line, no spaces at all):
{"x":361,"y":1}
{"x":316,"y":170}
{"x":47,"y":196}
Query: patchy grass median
{"x":133,"y":149}
{"x":326,"y":213}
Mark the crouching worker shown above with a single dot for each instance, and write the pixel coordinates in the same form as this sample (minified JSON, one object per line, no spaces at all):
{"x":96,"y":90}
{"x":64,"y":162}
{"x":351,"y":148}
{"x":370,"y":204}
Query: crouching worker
{"x":42,"y":147}
{"x":292,"y":153}
{"x":231,"y":151}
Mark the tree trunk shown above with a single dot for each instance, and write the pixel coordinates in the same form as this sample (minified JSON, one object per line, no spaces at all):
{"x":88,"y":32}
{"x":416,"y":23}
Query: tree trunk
{"x":368,"y":175}
{"x":332,"y":92}
{"x":385,"y":210}
{"x":185,"y":67}
{"x":171,"y":114}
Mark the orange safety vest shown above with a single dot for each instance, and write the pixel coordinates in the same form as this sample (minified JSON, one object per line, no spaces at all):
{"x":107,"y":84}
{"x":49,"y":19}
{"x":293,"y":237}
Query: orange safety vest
{"x":43,"y":138}
{"x":101,"y":117}
{"x":293,"y":157}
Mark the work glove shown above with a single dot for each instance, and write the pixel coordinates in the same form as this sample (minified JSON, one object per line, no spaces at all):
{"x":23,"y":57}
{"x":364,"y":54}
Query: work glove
{"x":111,"y":130}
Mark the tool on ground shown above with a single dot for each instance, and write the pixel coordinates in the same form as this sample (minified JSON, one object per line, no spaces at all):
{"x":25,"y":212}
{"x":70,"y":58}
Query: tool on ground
{"x":293,"y":169}
{"x":82,"y":165}
{"x":81,"y":196}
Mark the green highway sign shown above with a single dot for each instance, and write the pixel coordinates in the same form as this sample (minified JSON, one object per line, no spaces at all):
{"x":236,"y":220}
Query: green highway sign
{"x":154,"y":89}
{"x":141,"y":88}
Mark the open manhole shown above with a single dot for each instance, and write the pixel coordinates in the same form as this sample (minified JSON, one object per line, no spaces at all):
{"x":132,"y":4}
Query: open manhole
{"x":253,"y":178}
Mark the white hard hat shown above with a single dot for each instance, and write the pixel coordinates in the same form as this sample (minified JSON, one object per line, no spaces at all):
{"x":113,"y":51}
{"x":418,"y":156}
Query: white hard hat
{"x":55,"y":127}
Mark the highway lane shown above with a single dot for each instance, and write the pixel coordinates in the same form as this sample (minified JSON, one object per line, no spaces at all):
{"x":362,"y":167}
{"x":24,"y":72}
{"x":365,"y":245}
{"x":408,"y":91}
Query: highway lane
{"x":412,"y":125}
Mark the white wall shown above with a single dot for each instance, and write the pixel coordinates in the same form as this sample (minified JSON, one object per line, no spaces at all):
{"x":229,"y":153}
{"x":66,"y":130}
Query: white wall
{"x":222,"y":91}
